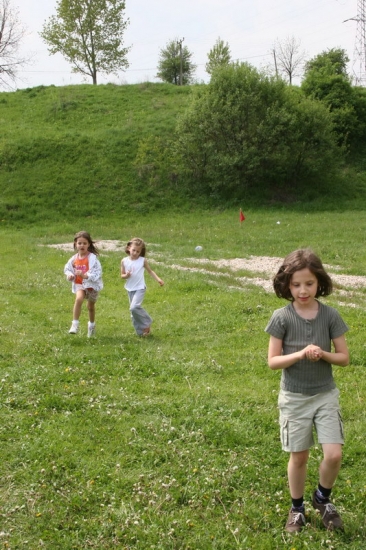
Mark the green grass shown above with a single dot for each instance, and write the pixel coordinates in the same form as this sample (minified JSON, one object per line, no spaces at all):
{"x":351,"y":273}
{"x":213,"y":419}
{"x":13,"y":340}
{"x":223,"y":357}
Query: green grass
{"x":76,"y":152}
{"x":58,"y":144}
{"x":169,"y":442}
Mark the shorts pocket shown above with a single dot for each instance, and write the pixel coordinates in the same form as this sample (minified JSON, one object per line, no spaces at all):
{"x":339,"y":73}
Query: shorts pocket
{"x":284,"y":432}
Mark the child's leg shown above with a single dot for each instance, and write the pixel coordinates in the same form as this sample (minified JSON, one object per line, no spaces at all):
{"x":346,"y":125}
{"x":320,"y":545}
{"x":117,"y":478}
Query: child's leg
{"x":91,"y":324}
{"x":296,"y":471}
{"x":328,"y":472}
{"x":329,"y":428}
{"x":91,"y":310}
{"x":141,"y":320}
{"x":331,"y":463}
{"x":91,"y":296}
{"x":330,"y":434}
{"x":80,"y":296}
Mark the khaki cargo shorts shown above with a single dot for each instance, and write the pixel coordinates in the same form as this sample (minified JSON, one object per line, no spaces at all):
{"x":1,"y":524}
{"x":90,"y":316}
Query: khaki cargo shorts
{"x":301,"y":414}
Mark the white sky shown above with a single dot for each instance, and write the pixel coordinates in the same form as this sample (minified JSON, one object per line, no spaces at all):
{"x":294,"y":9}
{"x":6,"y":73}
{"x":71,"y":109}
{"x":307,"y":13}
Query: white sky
{"x":249,"y":26}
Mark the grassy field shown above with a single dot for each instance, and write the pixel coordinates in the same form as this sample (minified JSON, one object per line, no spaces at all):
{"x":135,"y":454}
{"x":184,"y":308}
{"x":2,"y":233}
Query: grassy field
{"x":168,"y":442}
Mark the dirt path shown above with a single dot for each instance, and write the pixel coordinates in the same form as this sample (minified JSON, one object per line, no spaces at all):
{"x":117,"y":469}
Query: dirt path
{"x":263,"y":266}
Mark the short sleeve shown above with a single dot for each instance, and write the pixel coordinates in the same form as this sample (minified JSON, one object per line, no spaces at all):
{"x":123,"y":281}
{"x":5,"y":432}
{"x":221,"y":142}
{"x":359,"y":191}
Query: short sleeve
{"x":276,"y":326}
{"x":337,"y":326}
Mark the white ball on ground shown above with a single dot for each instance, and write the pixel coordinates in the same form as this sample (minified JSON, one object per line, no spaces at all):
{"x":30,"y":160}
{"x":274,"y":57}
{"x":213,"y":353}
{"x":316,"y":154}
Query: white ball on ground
{"x":198,"y":248}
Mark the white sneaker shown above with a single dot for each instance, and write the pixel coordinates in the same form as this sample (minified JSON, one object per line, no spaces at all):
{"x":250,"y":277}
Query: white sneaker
{"x":91,"y":331}
{"x":74,"y":328}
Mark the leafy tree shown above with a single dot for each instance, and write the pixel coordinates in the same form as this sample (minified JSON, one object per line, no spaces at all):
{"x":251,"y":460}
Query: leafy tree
{"x":289,"y":58}
{"x":89,"y":34}
{"x":327,"y":80}
{"x":218,"y":56}
{"x":359,"y":103}
{"x":175,"y":61}
{"x":246,"y":131}
{"x":332,"y":62}
{"x":11,"y":35}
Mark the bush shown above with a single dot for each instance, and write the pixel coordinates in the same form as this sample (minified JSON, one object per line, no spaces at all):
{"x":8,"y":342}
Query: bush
{"x":246,"y":131}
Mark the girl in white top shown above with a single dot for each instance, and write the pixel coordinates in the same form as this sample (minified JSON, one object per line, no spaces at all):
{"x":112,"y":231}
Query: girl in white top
{"x":132,"y":269}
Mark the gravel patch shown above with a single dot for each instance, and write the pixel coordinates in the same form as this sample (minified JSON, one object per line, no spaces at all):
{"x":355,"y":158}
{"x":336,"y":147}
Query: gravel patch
{"x":269,"y":266}
{"x":257,"y":264}
{"x":107,"y":246}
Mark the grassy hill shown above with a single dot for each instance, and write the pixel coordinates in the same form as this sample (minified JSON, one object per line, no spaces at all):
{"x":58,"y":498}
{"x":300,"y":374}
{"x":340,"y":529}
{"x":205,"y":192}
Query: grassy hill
{"x":69,"y":152}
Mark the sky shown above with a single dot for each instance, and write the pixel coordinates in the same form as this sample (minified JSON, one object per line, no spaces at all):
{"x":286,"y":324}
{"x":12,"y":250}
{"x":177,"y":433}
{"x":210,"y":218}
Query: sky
{"x":250,"y":27}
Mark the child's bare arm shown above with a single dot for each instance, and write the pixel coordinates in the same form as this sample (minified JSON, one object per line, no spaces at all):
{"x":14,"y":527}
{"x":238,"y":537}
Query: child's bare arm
{"x":153,"y":274}
{"x":124,"y":274}
{"x":339,"y":357}
{"x":276,"y":359}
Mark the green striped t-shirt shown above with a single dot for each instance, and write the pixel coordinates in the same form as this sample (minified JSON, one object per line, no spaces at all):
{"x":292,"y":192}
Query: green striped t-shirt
{"x":296,"y":333}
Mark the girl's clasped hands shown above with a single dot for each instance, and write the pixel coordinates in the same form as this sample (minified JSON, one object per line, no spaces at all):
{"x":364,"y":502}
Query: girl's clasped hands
{"x":313,"y":353}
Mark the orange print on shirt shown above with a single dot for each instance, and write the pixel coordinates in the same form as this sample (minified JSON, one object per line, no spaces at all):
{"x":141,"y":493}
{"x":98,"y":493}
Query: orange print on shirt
{"x":81,"y":264}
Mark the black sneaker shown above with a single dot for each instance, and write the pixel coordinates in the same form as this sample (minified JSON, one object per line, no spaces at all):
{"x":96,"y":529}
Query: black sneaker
{"x":330,"y":517}
{"x":295,"y":521}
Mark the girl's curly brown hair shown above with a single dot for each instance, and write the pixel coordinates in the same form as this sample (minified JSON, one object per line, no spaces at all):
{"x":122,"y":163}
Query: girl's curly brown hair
{"x":296,"y":260}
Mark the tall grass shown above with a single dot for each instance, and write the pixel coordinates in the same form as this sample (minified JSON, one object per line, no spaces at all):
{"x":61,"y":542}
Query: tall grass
{"x":169,"y":442}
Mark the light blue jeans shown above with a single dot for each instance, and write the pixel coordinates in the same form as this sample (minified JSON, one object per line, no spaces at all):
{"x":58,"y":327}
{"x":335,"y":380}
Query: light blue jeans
{"x":140,"y":318}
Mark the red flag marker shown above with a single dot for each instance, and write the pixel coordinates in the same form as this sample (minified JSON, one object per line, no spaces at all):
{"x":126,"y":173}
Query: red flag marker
{"x":241,"y":216}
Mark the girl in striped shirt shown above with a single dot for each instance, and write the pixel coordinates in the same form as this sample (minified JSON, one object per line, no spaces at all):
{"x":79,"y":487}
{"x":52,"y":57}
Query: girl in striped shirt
{"x":306,"y":339}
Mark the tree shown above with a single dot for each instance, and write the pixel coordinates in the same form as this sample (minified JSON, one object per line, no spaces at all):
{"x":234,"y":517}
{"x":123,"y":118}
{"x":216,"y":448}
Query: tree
{"x":89,"y":34}
{"x":327,"y":80}
{"x":247,"y":132}
{"x":288,"y":57}
{"x":175,"y":63}
{"x":11,"y":34}
{"x":330,"y":62}
{"x":218,"y":56}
